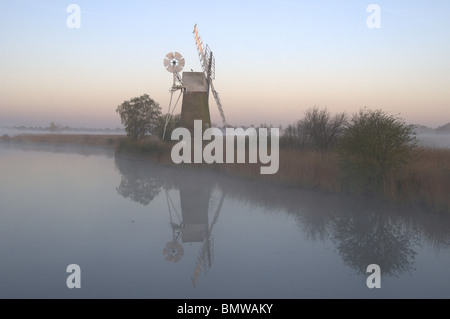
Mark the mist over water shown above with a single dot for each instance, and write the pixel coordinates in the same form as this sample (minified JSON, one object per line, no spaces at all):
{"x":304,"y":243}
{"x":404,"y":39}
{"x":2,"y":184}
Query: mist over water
{"x":14,"y":132}
{"x":433,"y":140}
{"x":140,"y":230}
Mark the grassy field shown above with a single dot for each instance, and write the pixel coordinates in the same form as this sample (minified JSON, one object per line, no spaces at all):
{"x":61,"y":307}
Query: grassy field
{"x":423,"y":181}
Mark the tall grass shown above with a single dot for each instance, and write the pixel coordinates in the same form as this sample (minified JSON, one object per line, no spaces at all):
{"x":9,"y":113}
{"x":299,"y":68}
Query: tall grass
{"x":425,"y":180}
{"x":310,"y":169}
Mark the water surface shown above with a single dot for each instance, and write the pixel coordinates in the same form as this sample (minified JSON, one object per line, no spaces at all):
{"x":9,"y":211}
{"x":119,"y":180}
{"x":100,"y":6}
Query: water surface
{"x":139,"y":230}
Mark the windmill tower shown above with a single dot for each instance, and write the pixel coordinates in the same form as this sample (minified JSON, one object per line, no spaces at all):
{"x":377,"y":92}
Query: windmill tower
{"x":194,"y":87}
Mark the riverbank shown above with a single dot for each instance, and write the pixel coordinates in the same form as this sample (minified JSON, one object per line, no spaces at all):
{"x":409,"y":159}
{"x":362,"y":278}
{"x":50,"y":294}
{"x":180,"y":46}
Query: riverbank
{"x":424,"y":181}
{"x":94,"y":140}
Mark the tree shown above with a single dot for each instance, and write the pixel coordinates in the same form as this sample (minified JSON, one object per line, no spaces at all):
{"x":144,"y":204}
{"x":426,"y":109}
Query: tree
{"x":293,"y":137}
{"x":319,"y":130}
{"x":373,"y":144}
{"x":173,"y":123}
{"x":55,"y":127}
{"x":139,"y":115}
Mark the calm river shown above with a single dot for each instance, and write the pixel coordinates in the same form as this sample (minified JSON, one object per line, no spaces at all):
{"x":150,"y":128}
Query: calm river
{"x":138,"y":230}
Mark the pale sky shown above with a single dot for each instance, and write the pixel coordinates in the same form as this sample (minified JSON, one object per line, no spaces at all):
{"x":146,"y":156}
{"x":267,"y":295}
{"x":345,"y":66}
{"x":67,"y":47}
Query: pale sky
{"x":274,"y":59}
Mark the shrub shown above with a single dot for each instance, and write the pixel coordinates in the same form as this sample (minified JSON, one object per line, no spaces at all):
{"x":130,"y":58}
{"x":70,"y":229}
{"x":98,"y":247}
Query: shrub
{"x":373,"y":144}
{"x":173,"y":123}
{"x":319,"y":130}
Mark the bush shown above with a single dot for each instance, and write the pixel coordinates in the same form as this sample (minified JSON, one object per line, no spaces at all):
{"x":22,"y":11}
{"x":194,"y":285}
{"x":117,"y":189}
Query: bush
{"x":5,"y":138}
{"x":173,"y":123}
{"x":319,"y":130}
{"x":293,"y":137}
{"x":373,"y":144}
{"x":146,"y":146}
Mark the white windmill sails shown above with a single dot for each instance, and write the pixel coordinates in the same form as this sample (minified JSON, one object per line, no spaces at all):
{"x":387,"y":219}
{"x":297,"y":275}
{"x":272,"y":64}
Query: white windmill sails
{"x":207,"y":61}
{"x":173,"y":63}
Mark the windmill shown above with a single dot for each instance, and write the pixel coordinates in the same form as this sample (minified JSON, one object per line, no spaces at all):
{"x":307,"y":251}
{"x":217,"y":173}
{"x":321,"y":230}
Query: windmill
{"x":193,"y":86}
{"x":208,"y":63}
{"x":173,"y":63}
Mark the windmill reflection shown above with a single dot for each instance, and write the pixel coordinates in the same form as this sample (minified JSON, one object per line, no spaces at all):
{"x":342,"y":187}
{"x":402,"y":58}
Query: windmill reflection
{"x":192,"y":219}
{"x":174,"y":250}
{"x":197,"y":203}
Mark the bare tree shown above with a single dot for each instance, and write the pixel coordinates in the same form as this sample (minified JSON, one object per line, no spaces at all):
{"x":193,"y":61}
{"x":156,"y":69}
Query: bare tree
{"x":319,"y":130}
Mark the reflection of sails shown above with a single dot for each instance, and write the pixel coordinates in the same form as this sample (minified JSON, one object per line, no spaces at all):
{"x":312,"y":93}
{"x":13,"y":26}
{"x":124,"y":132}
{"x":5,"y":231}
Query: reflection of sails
{"x":193,"y":225}
{"x":173,"y":250}
{"x":204,"y":258}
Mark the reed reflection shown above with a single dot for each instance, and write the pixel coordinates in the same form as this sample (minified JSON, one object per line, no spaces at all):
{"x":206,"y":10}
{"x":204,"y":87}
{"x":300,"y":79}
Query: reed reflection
{"x":363,"y":230}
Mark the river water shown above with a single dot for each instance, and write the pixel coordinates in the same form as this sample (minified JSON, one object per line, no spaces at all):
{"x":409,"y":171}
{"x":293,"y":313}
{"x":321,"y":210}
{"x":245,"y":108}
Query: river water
{"x":139,"y":230}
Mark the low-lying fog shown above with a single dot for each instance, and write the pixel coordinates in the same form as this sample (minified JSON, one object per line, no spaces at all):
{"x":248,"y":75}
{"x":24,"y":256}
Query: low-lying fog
{"x":437,"y":140}
{"x":434,"y":140}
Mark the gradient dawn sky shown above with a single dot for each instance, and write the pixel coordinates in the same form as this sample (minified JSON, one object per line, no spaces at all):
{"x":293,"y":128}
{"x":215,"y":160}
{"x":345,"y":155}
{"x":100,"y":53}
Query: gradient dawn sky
{"x":274,"y":59}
